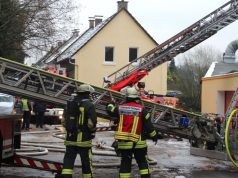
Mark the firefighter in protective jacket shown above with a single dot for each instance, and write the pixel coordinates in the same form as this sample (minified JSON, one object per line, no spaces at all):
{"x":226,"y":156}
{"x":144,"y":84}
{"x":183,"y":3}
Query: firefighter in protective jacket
{"x":81,"y":123}
{"x":134,"y":124}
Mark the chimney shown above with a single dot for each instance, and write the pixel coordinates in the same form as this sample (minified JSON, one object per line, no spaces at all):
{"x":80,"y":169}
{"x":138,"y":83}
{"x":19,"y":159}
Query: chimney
{"x":98,"y":19}
{"x":59,"y":43}
{"x":75,"y":32}
{"x":91,"y":22}
{"x":122,"y":5}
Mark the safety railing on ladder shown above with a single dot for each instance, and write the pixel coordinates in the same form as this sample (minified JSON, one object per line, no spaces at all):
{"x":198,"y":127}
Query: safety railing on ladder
{"x":37,"y":84}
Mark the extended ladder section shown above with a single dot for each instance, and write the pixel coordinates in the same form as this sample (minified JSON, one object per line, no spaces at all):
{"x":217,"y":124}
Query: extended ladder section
{"x":186,"y":39}
{"x":36,"y":84}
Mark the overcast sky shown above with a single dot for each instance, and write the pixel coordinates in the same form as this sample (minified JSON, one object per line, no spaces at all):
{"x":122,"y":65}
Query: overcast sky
{"x":162,"y":19}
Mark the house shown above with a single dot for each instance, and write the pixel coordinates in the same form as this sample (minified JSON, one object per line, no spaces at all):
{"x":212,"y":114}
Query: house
{"x":220,"y":82}
{"x":106,"y":46}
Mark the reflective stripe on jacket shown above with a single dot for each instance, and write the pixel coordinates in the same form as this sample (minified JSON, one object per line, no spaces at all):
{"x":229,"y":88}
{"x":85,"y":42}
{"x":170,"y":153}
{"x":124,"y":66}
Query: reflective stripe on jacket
{"x":82,"y":137}
{"x":147,"y":128}
{"x":141,"y":143}
{"x":130,"y":122}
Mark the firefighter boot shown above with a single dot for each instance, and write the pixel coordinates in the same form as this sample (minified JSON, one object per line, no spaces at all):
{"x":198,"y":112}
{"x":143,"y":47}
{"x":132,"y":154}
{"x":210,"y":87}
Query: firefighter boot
{"x":66,"y":176}
{"x":58,"y":175}
{"x":145,"y":176}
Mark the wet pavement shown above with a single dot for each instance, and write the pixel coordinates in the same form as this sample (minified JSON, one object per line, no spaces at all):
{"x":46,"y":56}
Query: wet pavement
{"x":172,"y":159}
{"x":215,"y":174}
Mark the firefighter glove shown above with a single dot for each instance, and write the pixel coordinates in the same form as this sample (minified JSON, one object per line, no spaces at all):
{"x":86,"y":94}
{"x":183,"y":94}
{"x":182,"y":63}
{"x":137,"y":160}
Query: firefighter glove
{"x":92,"y":135}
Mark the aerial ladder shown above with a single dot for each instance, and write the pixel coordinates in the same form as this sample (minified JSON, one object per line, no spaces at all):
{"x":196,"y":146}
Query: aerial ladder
{"x":201,"y":30}
{"x":36,"y":84}
{"x":21,"y":80}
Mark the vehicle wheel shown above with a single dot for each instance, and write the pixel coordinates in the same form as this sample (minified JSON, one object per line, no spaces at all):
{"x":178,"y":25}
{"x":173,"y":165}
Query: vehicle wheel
{"x":193,"y":143}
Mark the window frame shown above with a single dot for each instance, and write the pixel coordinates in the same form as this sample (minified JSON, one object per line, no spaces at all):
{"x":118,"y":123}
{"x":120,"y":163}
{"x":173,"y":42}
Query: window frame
{"x":130,"y":53}
{"x":113,"y":55}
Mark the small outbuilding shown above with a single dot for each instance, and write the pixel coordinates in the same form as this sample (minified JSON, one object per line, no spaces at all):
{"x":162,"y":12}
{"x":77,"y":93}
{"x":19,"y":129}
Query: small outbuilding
{"x":220,"y":82}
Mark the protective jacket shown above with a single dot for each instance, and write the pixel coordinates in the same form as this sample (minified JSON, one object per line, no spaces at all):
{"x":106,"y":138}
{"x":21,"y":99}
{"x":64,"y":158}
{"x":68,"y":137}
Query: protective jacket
{"x":26,"y":106}
{"x":130,"y":122}
{"x":134,"y":125}
{"x":39,"y":107}
{"x":81,"y":120}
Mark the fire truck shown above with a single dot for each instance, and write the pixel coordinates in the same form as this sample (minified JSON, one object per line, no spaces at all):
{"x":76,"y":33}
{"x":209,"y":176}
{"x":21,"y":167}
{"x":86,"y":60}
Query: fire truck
{"x":168,"y":100}
{"x":202,"y":131}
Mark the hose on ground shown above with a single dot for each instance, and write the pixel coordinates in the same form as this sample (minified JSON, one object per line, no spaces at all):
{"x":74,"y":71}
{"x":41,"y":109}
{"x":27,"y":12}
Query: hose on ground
{"x":39,"y":151}
{"x":107,"y":150}
{"x":62,"y":149}
{"x":95,"y":152}
{"x":36,"y":132}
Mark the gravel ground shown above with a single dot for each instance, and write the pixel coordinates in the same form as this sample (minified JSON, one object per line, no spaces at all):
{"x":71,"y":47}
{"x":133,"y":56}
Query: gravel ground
{"x":173,"y":160}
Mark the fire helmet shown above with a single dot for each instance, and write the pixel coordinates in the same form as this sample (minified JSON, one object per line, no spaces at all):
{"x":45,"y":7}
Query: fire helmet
{"x":85,"y":88}
{"x":131,"y":92}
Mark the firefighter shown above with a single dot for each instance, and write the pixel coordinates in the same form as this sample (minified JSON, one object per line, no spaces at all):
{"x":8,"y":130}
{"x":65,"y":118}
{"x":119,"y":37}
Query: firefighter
{"x":81,"y":120}
{"x":133,"y":126}
{"x":39,"y":109}
{"x":26,"y":110}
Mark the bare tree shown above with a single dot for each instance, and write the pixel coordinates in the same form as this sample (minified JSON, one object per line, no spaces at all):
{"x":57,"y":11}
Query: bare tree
{"x":186,"y":78}
{"x":43,"y":22}
{"x":11,"y":30}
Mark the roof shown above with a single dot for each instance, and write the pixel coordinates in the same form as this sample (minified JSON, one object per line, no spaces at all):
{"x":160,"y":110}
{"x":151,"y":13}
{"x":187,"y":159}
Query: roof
{"x":82,"y":40}
{"x":221,"y":68}
{"x":57,"y":51}
{"x":75,"y":44}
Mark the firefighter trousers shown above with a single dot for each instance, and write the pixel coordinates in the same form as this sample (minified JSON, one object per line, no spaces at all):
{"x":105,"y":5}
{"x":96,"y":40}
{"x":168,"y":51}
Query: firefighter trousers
{"x":26,"y":120}
{"x":140,"y":155}
{"x":69,"y":159}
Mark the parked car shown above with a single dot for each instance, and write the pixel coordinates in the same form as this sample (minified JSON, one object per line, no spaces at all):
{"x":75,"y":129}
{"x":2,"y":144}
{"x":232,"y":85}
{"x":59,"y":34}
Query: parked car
{"x":56,"y":115}
{"x":53,"y":115}
{"x":6,"y":104}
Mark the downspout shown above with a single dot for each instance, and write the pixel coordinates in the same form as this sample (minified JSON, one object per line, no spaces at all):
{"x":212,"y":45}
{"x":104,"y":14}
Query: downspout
{"x":76,"y":67}
{"x":77,"y":71}
{"x":229,"y":55}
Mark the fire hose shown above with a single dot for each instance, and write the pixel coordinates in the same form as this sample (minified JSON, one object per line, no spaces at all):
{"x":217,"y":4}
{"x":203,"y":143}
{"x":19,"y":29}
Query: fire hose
{"x":41,"y":149}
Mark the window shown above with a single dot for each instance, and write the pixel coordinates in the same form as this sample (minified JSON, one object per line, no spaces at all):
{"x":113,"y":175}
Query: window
{"x":132,"y":54}
{"x":109,"y":53}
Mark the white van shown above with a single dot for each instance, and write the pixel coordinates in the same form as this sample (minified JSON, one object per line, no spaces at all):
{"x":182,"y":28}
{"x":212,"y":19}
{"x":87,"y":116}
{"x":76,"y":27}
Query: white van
{"x":6,"y":103}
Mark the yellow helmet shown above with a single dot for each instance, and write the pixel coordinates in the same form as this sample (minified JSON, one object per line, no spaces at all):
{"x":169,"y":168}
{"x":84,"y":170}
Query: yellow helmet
{"x":85,"y":88}
{"x":132,"y":93}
